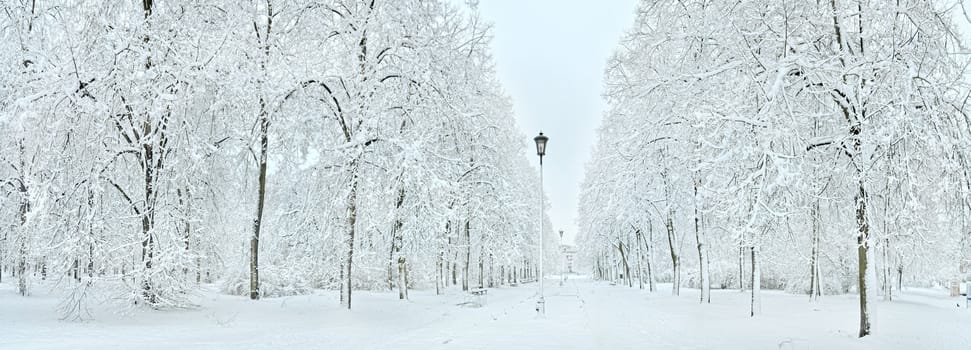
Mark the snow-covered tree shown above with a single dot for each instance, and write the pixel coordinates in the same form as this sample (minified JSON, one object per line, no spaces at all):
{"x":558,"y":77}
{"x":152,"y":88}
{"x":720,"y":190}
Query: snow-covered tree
{"x":770,"y":128}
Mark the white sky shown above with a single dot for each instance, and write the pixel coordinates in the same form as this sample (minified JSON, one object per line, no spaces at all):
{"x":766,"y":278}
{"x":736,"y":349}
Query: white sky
{"x":550,"y":56}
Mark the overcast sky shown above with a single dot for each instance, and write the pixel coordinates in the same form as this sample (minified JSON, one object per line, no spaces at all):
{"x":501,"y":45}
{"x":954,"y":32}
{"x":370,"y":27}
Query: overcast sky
{"x":550,"y":56}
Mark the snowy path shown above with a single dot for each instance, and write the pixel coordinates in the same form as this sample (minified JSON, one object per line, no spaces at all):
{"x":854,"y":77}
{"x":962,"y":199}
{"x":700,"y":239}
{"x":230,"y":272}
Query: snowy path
{"x":582,"y":314}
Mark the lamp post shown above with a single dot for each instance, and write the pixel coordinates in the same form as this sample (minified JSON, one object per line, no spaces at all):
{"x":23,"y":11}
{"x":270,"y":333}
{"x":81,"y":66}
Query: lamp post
{"x":541,"y":151}
{"x":562,"y":260}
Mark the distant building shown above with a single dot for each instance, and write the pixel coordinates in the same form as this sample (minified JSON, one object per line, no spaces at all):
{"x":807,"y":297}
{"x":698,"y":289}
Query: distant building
{"x":569,"y":257}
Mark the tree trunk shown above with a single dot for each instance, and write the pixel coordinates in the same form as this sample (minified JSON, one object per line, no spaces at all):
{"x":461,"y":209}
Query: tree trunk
{"x":885,"y":272}
{"x":468,"y":255}
{"x":391,"y":262}
{"x":814,"y":291}
{"x":650,"y":257}
{"x":405,"y":282}
{"x":148,"y":241}
{"x":24,"y":207}
{"x":264,"y":120}
{"x":887,"y":282}
{"x":741,"y":268}
{"x":672,"y":239}
{"x":640,"y":258}
{"x":397,"y":242}
{"x":402,"y":278}
{"x":75,"y":266}
{"x":863,"y":241}
{"x":527,"y":272}
{"x":440,"y":277}
{"x":623,"y":259}
{"x":900,"y":276}
{"x":598,"y":271}
{"x":675,"y":259}
{"x":702,"y":251}
{"x":185,"y":202}
{"x":455,"y":268}
{"x":347,"y":281}
{"x":150,"y":168}
{"x":481,"y":271}
{"x":756,"y":283}
{"x":450,"y":263}
{"x":492,"y":271}
{"x":254,"y":263}
{"x":22,"y":238}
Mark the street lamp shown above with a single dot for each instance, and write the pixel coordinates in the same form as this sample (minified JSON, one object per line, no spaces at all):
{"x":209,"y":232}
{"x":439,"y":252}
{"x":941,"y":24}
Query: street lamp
{"x":541,"y":151}
{"x":541,"y":148}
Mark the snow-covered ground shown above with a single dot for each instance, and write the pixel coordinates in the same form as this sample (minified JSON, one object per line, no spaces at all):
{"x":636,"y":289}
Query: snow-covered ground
{"x":582,"y":314}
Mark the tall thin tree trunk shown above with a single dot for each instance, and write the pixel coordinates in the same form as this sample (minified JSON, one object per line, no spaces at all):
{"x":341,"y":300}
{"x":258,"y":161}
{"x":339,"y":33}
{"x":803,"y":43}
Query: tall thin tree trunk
{"x":75,"y":266}
{"x":264,"y":120}
{"x":150,"y":168}
{"x":254,"y":263}
{"x":855,"y":119}
{"x":441,"y":280}
{"x":623,"y":258}
{"x":455,"y":268}
{"x":468,"y":255}
{"x":702,"y":250}
{"x":675,"y":259}
{"x":814,"y":291}
{"x":148,"y":244}
{"x":185,"y":202}
{"x":863,"y":241}
{"x":640,"y":258}
{"x":450,"y":263}
{"x":22,"y":237}
{"x":148,"y":241}
{"x":397,"y":242}
{"x":756,"y":283}
{"x":439,"y":274}
{"x":650,"y":257}
{"x":741,"y":268}
{"x":24,"y":207}
{"x":402,"y":278}
{"x":404,"y":282}
{"x":391,"y":262}
{"x":672,"y":239}
{"x":347,"y":285}
{"x":481,"y":271}
{"x":492,"y":271}
{"x":900,"y":276}
{"x":886,"y":281}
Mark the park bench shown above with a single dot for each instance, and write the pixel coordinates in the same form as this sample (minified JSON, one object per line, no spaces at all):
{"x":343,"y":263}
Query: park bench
{"x":479,"y":296}
{"x":475,"y":298}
